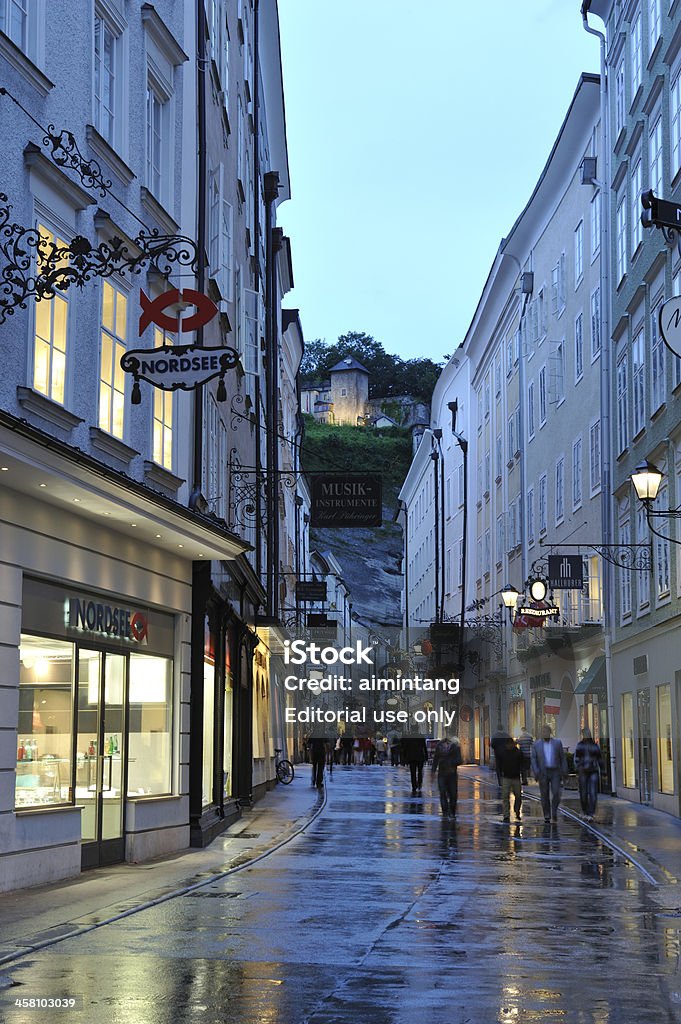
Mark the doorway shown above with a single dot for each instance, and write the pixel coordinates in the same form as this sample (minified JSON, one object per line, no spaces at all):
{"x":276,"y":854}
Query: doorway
{"x":645,"y":747}
{"x":100,"y":755}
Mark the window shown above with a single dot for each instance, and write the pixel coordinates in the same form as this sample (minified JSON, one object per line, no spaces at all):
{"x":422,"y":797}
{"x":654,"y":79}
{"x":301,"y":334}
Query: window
{"x":595,"y":226}
{"x":675,"y":118}
{"x":51,"y":330}
{"x":655,"y":146}
{"x":662,"y":569}
{"x":163,"y":414}
{"x":557,"y":367}
{"x":497,"y":376}
{"x":530,"y":410}
{"x":628,"y":760}
{"x":151,"y":725}
{"x":622,"y":403}
{"x":111,"y":375}
{"x":541,"y":313}
{"x":625,"y":574}
{"x":642,"y":578}
{"x":105,"y":75}
{"x":478,"y":403}
{"x":542,"y":503}
{"x":511,"y":437}
{"x":157,"y":140}
{"x":579,"y":252}
{"x":461,"y":485}
{"x":657,"y":375}
{"x":665,"y":749}
{"x":488,"y":472}
{"x":530,"y":515}
{"x":542,"y":396}
{"x":487,"y":399}
{"x":510,"y":346}
{"x":558,"y":287}
{"x":512,"y":527}
{"x":636,"y":54}
{"x":220,"y":234}
{"x":621,"y":234}
{"x":595,"y":456}
{"x":19,"y":21}
{"x":638,"y":371}
{"x":595,"y":323}
{"x":251,"y":328}
{"x":488,"y":552}
{"x":676,"y":360}
{"x":635,"y":197}
{"x":579,"y":348}
{"x":45,"y":725}
{"x":577,"y":473}
{"x":498,"y":456}
{"x":619,"y":98}
{"x":654,"y":22}
{"x":560,"y":490}
{"x":219,"y":43}
{"x":500,"y":540}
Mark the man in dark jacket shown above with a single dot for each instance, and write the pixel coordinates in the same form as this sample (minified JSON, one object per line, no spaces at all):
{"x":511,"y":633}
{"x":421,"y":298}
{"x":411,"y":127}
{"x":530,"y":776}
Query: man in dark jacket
{"x":588,"y":765}
{"x":498,"y":741}
{"x":446,"y":761}
{"x":319,"y":746}
{"x":415,"y":754}
{"x":510,"y":764}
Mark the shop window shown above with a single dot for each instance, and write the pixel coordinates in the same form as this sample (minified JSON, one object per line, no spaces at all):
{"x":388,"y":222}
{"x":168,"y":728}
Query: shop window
{"x":665,"y":753}
{"x":150,"y":738}
{"x":45,"y":736}
{"x":208,"y":720}
{"x":628,"y":763}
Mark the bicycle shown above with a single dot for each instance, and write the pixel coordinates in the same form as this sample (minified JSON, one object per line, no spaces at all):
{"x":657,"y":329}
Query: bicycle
{"x":283,"y":768}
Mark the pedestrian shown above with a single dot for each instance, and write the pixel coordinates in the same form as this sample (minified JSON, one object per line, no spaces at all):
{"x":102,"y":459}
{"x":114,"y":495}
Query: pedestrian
{"x":395,"y":752}
{"x":319,"y":747}
{"x":497,"y":743}
{"x":347,"y":744}
{"x":588,"y":761}
{"x":415,"y":754}
{"x":549,"y":767}
{"x":524,"y":742}
{"x":510,"y":761}
{"x":446,"y":761}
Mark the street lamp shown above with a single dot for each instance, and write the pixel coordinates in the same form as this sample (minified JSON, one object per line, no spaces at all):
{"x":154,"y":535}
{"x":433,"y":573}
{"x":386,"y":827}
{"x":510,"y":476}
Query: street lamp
{"x":510,"y":596}
{"x":646,"y":479}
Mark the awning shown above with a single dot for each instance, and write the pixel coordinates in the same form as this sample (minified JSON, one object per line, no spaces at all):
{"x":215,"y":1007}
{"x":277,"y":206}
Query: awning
{"x":594,"y":678}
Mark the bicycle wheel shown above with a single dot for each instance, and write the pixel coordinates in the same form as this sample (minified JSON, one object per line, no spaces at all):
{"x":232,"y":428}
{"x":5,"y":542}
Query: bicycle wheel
{"x":285,"y":772}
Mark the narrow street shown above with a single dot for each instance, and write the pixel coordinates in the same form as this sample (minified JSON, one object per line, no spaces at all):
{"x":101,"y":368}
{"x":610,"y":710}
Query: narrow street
{"x":384,"y":913}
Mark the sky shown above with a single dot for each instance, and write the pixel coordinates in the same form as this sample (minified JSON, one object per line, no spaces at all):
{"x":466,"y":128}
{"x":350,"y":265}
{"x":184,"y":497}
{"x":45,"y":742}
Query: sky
{"x":416,"y":132}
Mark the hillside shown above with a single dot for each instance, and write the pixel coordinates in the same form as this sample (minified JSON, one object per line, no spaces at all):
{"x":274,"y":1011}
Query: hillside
{"x":370,"y":558}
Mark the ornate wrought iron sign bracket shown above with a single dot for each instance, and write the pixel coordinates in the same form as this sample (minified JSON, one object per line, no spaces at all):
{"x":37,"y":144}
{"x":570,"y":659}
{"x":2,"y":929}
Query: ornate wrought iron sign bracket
{"x":637,"y":557}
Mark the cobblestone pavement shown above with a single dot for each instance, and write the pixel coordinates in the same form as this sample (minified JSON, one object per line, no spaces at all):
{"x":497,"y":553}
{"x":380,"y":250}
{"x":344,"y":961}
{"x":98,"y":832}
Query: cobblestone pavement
{"x":382,"y":912}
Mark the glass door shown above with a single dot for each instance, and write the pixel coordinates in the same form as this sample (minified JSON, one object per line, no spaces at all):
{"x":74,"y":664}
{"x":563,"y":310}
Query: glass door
{"x":645,"y":747}
{"x":100,"y":755}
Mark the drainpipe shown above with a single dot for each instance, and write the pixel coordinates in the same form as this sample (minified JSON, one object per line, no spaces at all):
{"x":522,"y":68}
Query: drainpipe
{"x":271,"y":182}
{"x":607,"y":509}
{"x":195,"y":496}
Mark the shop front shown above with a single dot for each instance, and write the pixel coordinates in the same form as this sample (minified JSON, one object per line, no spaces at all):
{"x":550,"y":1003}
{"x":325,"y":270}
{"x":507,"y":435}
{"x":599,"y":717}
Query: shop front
{"x":516,"y":709}
{"x":96,"y":721}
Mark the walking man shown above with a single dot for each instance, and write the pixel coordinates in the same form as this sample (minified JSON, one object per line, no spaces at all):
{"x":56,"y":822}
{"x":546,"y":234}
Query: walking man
{"x":415,"y":753}
{"x":318,"y":751}
{"x":588,"y":764}
{"x":549,"y":767}
{"x":525,"y":744}
{"x":498,"y":741}
{"x":446,"y":761}
{"x":510,"y":761}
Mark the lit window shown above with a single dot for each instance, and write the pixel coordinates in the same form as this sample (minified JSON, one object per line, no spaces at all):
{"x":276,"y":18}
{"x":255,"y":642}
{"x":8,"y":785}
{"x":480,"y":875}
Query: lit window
{"x":150,"y":733}
{"x":665,"y":748}
{"x":163,"y":414}
{"x":628,"y":757}
{"x":51,"y":328}
{"x":111,"y":375}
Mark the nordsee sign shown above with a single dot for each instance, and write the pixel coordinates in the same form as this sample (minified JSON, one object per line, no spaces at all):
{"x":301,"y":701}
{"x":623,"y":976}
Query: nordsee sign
{"x":179,"y":367}
{"x":106,"y":620}
{"x":346,"y":500}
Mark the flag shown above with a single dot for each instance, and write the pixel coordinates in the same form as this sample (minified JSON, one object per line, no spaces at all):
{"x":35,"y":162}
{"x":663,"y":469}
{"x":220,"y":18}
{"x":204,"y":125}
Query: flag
{"x":551,"y":702}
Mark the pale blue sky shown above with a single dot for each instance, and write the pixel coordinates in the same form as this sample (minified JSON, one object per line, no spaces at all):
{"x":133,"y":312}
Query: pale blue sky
{"x":416,"y":132}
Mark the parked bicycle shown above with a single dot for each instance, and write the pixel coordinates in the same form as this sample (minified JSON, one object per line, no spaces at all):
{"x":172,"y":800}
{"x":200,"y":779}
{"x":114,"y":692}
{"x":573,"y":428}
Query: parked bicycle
{"x":283,"y":768}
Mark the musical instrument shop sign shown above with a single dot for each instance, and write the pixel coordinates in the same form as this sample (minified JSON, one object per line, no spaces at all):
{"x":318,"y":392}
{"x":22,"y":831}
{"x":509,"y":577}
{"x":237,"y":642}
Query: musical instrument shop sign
{"x":341,"y":500}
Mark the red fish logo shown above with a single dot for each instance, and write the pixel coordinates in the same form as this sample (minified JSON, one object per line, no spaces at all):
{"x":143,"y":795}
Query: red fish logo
{"x":152,"y":310}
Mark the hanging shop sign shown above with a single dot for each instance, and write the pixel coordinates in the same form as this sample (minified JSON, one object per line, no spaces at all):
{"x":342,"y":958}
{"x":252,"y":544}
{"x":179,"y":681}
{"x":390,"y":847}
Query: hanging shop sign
{"x":179,"y":367}
{"x":515,"y":691}
{"x":670,"y":323}
{"x":342,"y":500}
{"x":310,"y":591}
{"x":566,"y":572}
{"x":551,"y":702}
{"x":534,"y":615}
{"x":153,"y":310}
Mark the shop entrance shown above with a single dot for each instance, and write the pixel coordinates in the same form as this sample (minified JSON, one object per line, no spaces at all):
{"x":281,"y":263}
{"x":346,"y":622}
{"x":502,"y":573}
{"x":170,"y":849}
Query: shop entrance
{"x":100,"y":755}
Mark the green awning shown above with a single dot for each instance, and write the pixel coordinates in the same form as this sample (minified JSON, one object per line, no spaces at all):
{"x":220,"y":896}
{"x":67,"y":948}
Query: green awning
{"x":594,"y":678}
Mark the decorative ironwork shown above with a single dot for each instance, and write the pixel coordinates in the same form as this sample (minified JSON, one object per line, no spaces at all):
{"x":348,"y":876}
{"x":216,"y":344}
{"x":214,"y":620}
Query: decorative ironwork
{"x":637,"y":557}
{"x":65,"y":152}
{"x":35,"y":267}
{"x":238,"y":415}
{"x":248,"y":490}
